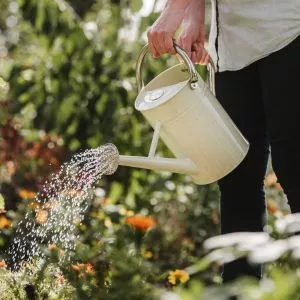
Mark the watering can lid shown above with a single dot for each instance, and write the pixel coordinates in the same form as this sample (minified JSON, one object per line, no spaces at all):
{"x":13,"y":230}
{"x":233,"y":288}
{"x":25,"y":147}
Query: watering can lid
{"x":148,"y":99}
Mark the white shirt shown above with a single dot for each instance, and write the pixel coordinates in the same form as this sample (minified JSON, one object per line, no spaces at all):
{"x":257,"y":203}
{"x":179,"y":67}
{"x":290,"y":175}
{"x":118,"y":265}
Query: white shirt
{"x":248,"y":30}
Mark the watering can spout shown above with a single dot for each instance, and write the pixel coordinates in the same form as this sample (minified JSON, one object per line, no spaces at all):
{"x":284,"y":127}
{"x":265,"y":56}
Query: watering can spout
{"x":175,"y":165}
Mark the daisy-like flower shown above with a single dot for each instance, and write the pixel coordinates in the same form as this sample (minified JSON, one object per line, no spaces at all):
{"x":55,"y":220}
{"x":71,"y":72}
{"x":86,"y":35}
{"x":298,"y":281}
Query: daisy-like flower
{"x":142,"y":223}
{"x":178,"y":275}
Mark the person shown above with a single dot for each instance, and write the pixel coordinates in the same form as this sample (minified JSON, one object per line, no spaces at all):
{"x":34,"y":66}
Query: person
{"x":255,"y":46}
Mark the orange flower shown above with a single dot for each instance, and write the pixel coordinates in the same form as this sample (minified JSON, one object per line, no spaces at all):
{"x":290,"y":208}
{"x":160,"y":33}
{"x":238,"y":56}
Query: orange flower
{"x":141,"y":223}
{"x":41,"y":216}
{"x":89,"y":268}
{"x":270,"y":179}
{"x":26,"y":194}
{"x":83,"y":268}
{"x":60,"y":278}
{"x":4,"y":222}
{"x":278,"y":187}
{"x":2,"y":264}
{"x":272,"y":206}
{"x":178,"y":275}
{"x":77,"y":267}
{"x":52,"y":247}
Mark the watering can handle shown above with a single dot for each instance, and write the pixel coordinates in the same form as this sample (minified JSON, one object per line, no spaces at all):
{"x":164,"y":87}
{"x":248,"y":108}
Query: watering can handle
{"x":192,"y":71}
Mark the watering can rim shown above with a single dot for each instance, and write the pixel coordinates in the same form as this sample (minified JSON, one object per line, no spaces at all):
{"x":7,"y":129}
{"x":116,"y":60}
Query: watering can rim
{"x":180,"y":86}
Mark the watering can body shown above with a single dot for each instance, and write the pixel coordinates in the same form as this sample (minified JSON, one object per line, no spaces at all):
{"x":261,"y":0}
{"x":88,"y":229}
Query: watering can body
{"x":185,"y":114}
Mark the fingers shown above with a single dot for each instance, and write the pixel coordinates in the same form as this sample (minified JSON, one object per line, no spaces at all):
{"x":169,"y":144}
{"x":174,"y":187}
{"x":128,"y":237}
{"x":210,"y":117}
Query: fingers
{"x":186,"y":43}
{"x":199,"y":54}
{"x":151,"y":44}
{"x":160,"y":42}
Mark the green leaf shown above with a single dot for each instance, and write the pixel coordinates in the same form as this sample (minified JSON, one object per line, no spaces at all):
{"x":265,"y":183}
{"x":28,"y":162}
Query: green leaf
{"x":136,"y":5}
{"x":115,"y":192}
{"x":40,"y":15}
{"x":67,"y":108}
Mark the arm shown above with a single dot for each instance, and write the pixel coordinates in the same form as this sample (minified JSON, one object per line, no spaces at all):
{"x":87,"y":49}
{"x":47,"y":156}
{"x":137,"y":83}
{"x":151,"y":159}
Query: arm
{"x":192,"y":38}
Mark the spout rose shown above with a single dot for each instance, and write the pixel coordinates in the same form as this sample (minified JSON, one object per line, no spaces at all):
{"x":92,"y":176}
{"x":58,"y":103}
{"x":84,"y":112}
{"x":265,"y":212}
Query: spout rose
{"x":111,"y":158}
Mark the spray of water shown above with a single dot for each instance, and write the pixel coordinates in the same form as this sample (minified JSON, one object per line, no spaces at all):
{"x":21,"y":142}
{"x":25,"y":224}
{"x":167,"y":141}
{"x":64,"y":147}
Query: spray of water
{"x":61,"y":204}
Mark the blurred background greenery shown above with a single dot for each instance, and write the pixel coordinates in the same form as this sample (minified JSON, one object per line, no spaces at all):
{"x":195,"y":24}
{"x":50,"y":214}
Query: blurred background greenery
{"x":67,"y":83}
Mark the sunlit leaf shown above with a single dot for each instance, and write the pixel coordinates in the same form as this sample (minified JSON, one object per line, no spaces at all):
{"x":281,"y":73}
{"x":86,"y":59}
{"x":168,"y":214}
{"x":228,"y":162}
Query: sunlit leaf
{"x":136,"y":5}
{"x":2,"y":203}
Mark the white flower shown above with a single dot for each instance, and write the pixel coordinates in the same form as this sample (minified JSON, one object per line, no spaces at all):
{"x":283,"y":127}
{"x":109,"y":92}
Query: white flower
{"x":268,"y":252}
{"x":236,"y":238}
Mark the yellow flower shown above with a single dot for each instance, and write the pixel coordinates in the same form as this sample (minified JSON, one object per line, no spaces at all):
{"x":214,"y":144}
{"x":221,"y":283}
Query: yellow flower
{"x":33,"y":205}
{"x":107,"y":222}
{"x":122,"y":211}
{"x":129,"y":213}
{"x":147,"y":254}
{"x":178,"y":275}
{"x":41,"y":216}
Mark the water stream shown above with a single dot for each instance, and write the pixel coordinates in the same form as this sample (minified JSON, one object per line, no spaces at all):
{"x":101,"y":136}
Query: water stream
{"x":61,"y":204}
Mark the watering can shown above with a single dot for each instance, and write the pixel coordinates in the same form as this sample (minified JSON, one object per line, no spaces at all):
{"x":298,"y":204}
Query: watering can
{"x":185,"y":114}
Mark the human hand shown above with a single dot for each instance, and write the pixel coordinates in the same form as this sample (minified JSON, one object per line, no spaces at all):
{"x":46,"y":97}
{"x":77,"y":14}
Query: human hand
{"x":161,"y":33}
{"x":192,"y":37}
{"x":192,"y":40}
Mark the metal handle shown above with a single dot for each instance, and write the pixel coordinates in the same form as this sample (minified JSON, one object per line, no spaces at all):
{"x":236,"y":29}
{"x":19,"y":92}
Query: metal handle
{"x":191,"y":68}
{"x":211,"y":76}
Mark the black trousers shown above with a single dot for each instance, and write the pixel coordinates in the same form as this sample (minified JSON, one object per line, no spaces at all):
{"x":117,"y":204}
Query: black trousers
{"x":263,"y":100}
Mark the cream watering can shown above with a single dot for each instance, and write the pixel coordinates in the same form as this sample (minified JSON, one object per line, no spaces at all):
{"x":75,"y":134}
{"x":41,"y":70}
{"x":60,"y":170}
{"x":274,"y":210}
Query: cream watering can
{"x":185,"y":114}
